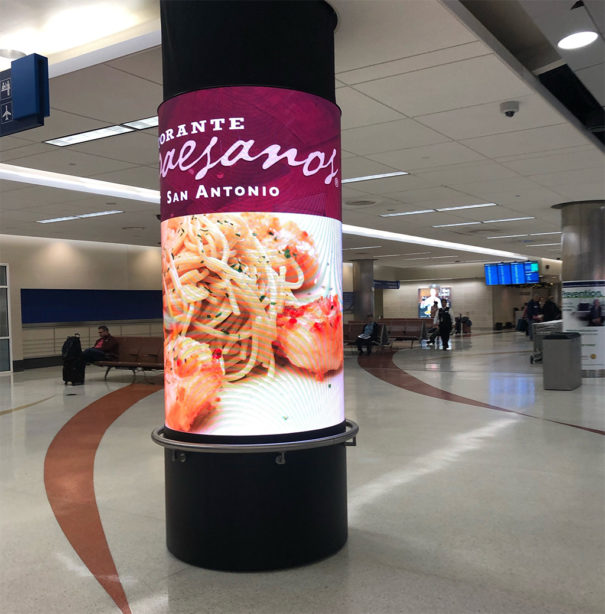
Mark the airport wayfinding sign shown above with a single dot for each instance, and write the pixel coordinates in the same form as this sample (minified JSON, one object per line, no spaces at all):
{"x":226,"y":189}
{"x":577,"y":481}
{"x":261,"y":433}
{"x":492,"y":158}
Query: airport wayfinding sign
{"x":24,"y":100}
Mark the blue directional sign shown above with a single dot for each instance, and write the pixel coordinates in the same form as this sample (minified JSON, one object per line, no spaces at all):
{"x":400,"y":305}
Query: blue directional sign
{"x":24,"y":101}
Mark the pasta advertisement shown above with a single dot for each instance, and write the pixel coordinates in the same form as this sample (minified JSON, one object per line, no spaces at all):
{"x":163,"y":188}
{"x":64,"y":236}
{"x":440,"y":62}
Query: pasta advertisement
{"x":251,"y":263}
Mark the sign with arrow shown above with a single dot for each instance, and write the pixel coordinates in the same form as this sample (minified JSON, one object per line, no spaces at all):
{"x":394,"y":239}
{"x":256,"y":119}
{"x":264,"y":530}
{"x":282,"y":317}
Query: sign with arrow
{"x":24,"y":99}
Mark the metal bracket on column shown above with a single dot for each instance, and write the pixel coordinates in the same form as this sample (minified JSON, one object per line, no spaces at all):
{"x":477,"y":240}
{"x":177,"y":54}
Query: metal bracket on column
{"x":348,"y":438}
{"x":181,"y":457}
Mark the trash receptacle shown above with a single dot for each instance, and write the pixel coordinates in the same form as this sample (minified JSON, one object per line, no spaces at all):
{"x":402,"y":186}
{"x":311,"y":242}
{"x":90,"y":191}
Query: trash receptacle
{"x":562,"y":361}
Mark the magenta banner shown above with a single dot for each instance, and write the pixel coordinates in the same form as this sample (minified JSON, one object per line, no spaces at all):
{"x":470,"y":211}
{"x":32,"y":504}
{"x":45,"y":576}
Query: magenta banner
{"x":249,"y":149}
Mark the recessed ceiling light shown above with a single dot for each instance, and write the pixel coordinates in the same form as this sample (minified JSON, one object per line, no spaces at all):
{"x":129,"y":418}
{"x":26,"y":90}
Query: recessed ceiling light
{"x":77,"y":217}
{"x":344,"y":249}
{"x":543,"y":244}
{"x":578,"y":40}
{"x":142,"y":124}
{"x":451,"y":256}
{"x":467,"y":207}
{"x":509,"y":219}
{"x":458,"y":224}
{"x":91,"y":135}
{"x":407,"y":213}
{"x":506,"y":236}
{"x":368,"y":177}
{"x":539,"y":234}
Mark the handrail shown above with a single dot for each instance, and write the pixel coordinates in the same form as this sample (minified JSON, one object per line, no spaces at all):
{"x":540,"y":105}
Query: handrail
{"x":350,"y":433}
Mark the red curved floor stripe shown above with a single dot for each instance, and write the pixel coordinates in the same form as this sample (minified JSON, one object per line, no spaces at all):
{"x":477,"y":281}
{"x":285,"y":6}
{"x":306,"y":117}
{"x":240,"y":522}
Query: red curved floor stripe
{"x":69,"y":482}
{"x":383,"y":367}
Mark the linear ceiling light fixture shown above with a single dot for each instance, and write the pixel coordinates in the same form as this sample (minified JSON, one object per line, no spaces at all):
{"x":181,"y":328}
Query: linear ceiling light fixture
{"x":77,"y":184}
{"x":368,"y":177}
{"x":77,"y":217}
{"x":508,"y":219}
{"x":539,"y":234}
{"x":467,"y":207}
{"x":91,"y":135}
{"x":544,"y":244}
{"x":143,"y":124}
{"x":403,"y":238}
{"x":102,"y":133}
{"x":439,"y":210}
{"x":407,"y":213}
{"x":506,"y":236}
{"x":458,"y":224}
{"x":344,"y":249}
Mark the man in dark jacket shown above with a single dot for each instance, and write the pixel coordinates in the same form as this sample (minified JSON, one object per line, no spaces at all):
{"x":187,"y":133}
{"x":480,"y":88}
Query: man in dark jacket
{"x":106,"y":347}
{"x":550,"y":311}
{"x":445,"y":327}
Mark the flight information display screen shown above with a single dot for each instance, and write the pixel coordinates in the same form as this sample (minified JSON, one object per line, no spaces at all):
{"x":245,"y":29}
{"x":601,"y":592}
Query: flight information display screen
{"x":504,"y":275}
{"x":491,"y":274}
{"x":512,"y":273}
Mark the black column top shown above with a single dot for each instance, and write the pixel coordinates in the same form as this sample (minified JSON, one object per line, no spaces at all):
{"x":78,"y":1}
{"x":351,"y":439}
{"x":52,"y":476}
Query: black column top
{"x":276,"y":43}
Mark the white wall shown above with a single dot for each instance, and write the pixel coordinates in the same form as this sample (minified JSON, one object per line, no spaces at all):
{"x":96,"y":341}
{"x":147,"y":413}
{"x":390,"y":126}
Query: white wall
{"x":61,"y":264}
{"x":470,"y":297}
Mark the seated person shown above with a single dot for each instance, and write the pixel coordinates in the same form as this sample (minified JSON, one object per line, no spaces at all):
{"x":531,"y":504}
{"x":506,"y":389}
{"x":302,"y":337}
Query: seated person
{"x":106,"y":347}
{"x":595,"y":316}
{"x":368,"y":336}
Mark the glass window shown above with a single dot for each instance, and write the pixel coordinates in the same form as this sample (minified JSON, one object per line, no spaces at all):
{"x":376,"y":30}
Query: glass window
{"x":4,"y":356}
{"x":3,"y":275}
{"x":3,"y":312}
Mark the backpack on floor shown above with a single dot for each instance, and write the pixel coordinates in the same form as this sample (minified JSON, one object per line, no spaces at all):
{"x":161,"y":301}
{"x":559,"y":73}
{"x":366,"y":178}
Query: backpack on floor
{"x":71,"y":348}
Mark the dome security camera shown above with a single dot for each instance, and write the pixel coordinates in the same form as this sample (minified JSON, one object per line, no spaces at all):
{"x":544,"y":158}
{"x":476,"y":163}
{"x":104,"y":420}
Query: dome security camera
{"x":509,"y":108}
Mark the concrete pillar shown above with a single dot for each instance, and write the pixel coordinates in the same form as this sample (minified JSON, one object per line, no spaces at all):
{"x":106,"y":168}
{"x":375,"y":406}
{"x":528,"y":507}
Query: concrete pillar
{"x":583,"y":277}
{"x":363,"y":286}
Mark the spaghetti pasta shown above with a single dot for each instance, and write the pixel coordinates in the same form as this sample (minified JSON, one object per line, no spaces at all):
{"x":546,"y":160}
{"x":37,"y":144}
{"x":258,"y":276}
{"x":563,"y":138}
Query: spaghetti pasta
{"x":230,"y":282}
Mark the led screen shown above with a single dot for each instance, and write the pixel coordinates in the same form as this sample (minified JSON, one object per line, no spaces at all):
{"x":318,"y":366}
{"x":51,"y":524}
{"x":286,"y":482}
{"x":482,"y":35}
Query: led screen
{"x":517,"y":270}
{"x":427,"y":297}
{"x":251,"y":244}
{"x":504,"y":275}
{"x":507,"y":273}
{"x":532,"y":274}
{"x":491,"y":274}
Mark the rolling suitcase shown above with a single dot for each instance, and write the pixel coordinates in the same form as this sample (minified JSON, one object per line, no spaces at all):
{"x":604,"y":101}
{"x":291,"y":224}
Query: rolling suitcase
{"x":73,"y":366}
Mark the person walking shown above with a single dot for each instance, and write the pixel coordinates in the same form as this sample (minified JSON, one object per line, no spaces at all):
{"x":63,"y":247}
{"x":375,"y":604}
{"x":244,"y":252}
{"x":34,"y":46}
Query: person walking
{"x":445,"y":327}
{"x":550,"y":310}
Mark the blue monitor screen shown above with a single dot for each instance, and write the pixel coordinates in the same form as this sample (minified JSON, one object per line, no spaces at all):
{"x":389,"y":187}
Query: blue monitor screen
{"x":517,"y":270}
{"x":491,"y":274}
{"x":532,"y":273}
{"x":504,"y":274}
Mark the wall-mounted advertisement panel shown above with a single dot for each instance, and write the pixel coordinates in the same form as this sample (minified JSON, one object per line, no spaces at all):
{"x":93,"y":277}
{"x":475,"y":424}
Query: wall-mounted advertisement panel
{"x":583,"y":307}
{"x":427,"y":297}
{"x":251,"y":258}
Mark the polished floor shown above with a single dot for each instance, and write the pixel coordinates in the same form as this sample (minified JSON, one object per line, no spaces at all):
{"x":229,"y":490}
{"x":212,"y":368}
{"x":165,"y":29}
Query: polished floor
{"x":471,"y":490}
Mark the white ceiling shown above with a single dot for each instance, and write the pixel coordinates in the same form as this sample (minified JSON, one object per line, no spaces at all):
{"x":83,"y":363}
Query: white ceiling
{"x":419,"y":92}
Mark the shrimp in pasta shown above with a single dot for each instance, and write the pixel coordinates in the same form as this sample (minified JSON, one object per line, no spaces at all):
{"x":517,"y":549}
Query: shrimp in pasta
{"x":287,"y":246}
{"x":193,"y":376}
{"x":310,"y":336}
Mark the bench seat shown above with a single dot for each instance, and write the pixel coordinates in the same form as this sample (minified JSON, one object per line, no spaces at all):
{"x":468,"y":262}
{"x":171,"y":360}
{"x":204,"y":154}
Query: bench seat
{"x":136,"y":353}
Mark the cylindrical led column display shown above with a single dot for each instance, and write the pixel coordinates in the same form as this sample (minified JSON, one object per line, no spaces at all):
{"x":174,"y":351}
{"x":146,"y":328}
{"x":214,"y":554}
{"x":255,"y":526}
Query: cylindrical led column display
{"x":251,"y":263}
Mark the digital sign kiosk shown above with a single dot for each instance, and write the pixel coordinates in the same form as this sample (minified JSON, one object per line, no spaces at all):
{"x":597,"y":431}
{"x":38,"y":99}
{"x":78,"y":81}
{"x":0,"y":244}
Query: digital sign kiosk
{"x":249,"y":162}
